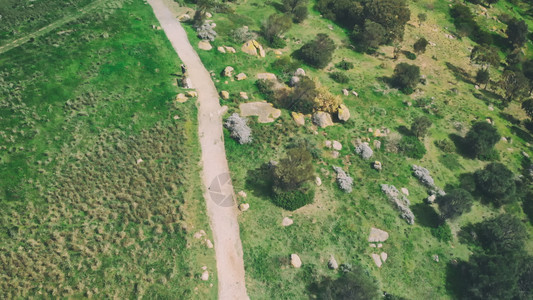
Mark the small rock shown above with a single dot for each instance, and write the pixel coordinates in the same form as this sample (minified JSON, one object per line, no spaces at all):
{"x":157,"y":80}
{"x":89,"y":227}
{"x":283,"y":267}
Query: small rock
{"x":294,"y":80}
{"x":330,"y":27}
{"x":377,"y":260}
{"x":140,"y":160}
{"x":337,"y":146}
{"x":299,"y":72}
{"x":343,"y":113}
{"x":377,"y":133}
{"x":244,"y":207}
{"x":204,"y":268}
{"x":372,"y":245}
{"x":491,"y":108}
{"x":181,"y":98}
{"x":241,"y":76}
{"x":384,"y":256}
{"x":377,"y":235}
{"x":208,"y":243}
{"x":228,"y":71}
{"x":230,"y":49}
{"x":208,"y":15}
{"x":224,"y":95}
{"x":298,"y":118}
{"x":335,"y":154}
{"x":286,"y":222}
{"x":328,"y":144}
{"x":242,"y":194}
{"x":332,"y":263}
{"x":405,"y":191}
{"x":476,"y":87}
{"x":296,"y":261}
{"x":355,"y":93}
{"x":524,"y":153}
{"x":205,"y":45}
{"x":380,"y":245}
{"x":435,"y":258}
{"x":345,"y":92}
{"x":243,"y":95}
{"x":221,"y":49}
{"x":318,"y":181}
{"x":431,"y":198}
{"x":192,"y":94}
{"x":377,"y":144}
{"x":377,"y":165}
{"x":370,"y":130}
{"x":176,"y":117}
{"x":184,"y":18}
{"x":504,"y":139}
{"x":205,"y":275}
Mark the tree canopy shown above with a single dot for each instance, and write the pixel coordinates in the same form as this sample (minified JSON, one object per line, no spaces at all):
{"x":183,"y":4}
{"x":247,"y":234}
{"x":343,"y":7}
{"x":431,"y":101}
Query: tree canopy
{"x":497,"y":183}
{"x":481,"y":138}
{"x":455,"y":203}
{"x":318,"y":52}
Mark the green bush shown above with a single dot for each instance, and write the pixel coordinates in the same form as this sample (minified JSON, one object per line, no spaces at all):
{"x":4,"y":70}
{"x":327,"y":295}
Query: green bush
{"x":339,"y":77}
{"x":442,"y":233}
{"x":277,"y":42}
{"x":293,"y":199}
{"x":318,"y":52}
{"x":410,"y":55}
{"x":445,"y":145}
{"x":345,"y":65}
{"x":406,"y":77}
{"x":411,"y":147}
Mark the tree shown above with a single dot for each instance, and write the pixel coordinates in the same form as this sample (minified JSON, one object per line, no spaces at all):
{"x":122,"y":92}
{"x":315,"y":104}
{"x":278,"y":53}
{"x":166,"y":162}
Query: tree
{"x":527,"y":69}
{"x":481,"y":138}
{"x":502,"y":235}
{"x":351,"y":285}
{"x":391,"y":14}
{"x":527,"y":106}
{"x":420,"y":45}
{"x":406,"y":76}
{"x":274,"y":26}
{"x":291,"y":5}
{"x":347,"y":13}
{"x":303,"y":96}
{"x":420,"y":126}
{"x":483,"y":77}
{"x":516,"y":33}
{"x":485,"y":55}
{"x":411,"y":147}
{"x":318,"y":52}
{"x":455,"y":203}
{"x":496,"y":183}
{"x":515,"y":85}
{"x":370,"y":37}
{"x":422,"y":17}
{"x":300,"y":14}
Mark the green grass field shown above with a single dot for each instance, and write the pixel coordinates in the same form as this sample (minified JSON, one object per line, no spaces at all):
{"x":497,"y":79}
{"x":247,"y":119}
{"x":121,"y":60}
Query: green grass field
{"x":81,"y":215}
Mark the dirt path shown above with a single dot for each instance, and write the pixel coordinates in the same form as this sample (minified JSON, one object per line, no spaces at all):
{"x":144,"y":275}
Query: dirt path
{"x":22,"y":40}
{"x":219,"y":193}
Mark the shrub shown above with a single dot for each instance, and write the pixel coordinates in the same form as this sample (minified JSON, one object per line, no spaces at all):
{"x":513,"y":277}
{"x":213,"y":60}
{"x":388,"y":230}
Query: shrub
{"x":442,"y":233}
{"x":483,"y":76}
{"x":455,"y":203}
{"x":318,"y":52}
{"x":411,"y":147}
{"x":410,"y":55}
{"x":300,"y":14}
{"x":369,"y":37}
{"x":445,"y":145}
{"x":392,"y":142}
{"x":303,"y":96}
{"x":517,"y":33}
{"x":420,"y":126}
{"x":345,"y":65}
{"x":496,"y":183}
{"x":326,"y":101}
{"x":344,"y":180}
{"x":285,"y":65}
{"x":420,"y":45}
{"x":265,"y":87}
{"x":502,"y":234}
{"x":206,"y":32}
{"x":273,"y":27}
{"x":354,"y":284}
{"x":481,"y":139}
{"x":293,"y":199}
{"x":238,"y":128}
{"x":243,"y":34}
{"x":277,"y":42}
{"x":339,"y":77}
{"x":406,"y":76}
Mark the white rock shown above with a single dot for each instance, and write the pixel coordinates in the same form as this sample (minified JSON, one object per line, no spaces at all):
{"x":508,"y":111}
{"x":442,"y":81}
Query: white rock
{"x":205,"y":45}
{"x":221,"y":49}
{"x":242,"y":194}
{"x":241,"y":76}
{"x":296,"y":261}
{"x":287,"y":222}
{"x":204,"y":268}
{"x":335,"y":154}
{"x":332,"y":263}
{"x":244,"y":206}
{"x":355,"y":93}
{"x":345,"y":92}
{"x":299,"y":72}
{"x":230,"y":49}
{"x":405,"y":191}
{"x":318,"y":181}
{"x":328,"y":144}
{"x":205,"y":275}
{"x":430,"y":199}
{"x":243,"y":95}
{"x":384,"y":256}
{"x":337,"y":146}
{"x":140,"y":160}
{"x":380,"y":245}
{"x":377,"y":235}
{"x":199,"y":234}
{"x":372,"y":245}
{"x":208,"y":243}
{"x":208,"y":15}
{"x":377,"y":259}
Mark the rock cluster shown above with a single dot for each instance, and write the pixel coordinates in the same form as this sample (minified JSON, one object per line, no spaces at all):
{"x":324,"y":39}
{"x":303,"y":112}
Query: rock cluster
{"x":345,"y":182}
{"x":400,"y":201}
{"x":252,"y":47}
{"x":423,"y":176}
{"x":239,"y":129}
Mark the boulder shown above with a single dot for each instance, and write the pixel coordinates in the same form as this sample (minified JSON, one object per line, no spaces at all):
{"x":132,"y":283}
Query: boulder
{"x":242,"y":194}
{"x":265,"y":112}
{"x":277,"y":52}
{"x":267,"y":76}
{"x":384,"y":256}
{"x":377,"y":235}
{"x":377,"y":165}
{"x":243,"y":95}
{"x":294,"y":80}
{"x":377,"y":144}
{"x":230,"y":49}
{"x":244,"y":206}
{"x":181,"y":98}
{"x":343,"y":113}
{"x":299,"y":72}
{"x":191,"y":94}
{"x":224,"y":95}
{"x":241,"y":76}
{"x":318,"y":181}
{"x":205,"y":45}
{"x":209,"y":244}
{"x":298,"y":118}
{"x":332,"y":263}
{"x":221,"y":49}
{"x":405,"y":191}
{"x":345,"y":92}
{"x":431,"y":198}
{"x":252,"y":47}
{"x":337,"y":146}
{"x":355,"y":93}
{"x":228,"y":71}
{"x":286,"y":222}
{"x":377,"y":259}
{"x":322,"y":119}
{"x":296,"y":261}
{"x":184,"y":18}
{"x":205,"y":275}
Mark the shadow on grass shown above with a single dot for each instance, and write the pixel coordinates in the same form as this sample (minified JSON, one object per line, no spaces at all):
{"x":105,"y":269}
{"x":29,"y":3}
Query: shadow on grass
{"x":426,"y":215}
{"x":459,"y":142}
{"x":259,"y":181}
{"x":456,"y":284}
{"x":521,"y":133}
{"x":459,"y":73}
{"x":492,"y":95}
{"x":510,"y":118}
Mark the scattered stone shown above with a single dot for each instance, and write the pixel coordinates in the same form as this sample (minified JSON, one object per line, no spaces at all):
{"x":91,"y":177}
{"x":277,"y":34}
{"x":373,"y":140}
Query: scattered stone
{"x":400,"y":201}
{"x":140,"y":160}
{"x":476,"y":87}
{"x":228,"y":71}
{"x":380,"y":245}
{"x":372,"y":245}
{"x":191,"y":94}
{"x":423,"y":176}
{"x":370,"y":130}
{"x":205,"y":45}
{"x":221,"y":49}
{"x":343,"y":113}
{"x":377,"y":144}
{"x":377,"y":133}
{"x":430,"y":199}
{"x":294,"y":80}
{"x":504,"y":139}
{"x":355,"y":93}
{"x":332,"y":263}
{"x":243,"y":95}
{"x":318,"y":181}
{"x":267,"y":76}
{"x":524,"y":153}
{"x":209,"y":244}
{"x":322,"y":119}
{"x":328,"y":144}
{"x":244,"y":206}
{"x":208,"y":15}
{"x":345,"y":182}
{"x":435,"y":258}
{"x":241,"y":76}
{"x":184,"y":18}
{"x":252,"y":47}
{"x":205,"y":275}
{"x":265,"y":112}
{"x":337,"y":146}
{"x":181,"y":98}
{"x":491,"y":108}
{"x":299,"y":72}
{"x":204,"y":268}
{"x":384,"y":256}
{"x":224,"y":95}
{"x":377,"y":165}
{"x":296,"y":261}
{"x":230,"y":49}
{"x":377,"y":259}
{"x":278,"y":52}
{"x":199,"y":234}
{"x":298,"y":118}
{"x":330,"y":27}
{"x":242,"y":194}
{"x":345,"y":92}
{"x":176,"y":117}
{"x":364,"y":151}
{"x":335,"y":154}
{"x":286,"y":222}
{"x":405,"y":191}
{"x":377,"y":235}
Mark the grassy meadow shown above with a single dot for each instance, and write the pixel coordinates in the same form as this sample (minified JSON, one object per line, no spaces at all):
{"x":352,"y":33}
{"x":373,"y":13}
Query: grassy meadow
{"x":338,"y":223}
{"x":100,"y":180}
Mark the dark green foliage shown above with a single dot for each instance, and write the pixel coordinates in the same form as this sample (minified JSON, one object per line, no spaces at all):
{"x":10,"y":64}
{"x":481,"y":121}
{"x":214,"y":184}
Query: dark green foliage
{"x":411,"y":147}
{"x":527,"y":206}
{"x":345,"y":65}
{"x":352,"y":285}
{"x":347,"y":13}
{"x":293,"y":199}
{"x":463,"y":19}
{"x":290,"y":6}
{"x":445,"y":145}
{"x":318,"y":52}
{"x":517,"y":33}
{"x":527,"y":106}
{"x":406,"y":76}
{"x":339,"y":77}
{"x":502,"y":234}
{"x":497,"y":183}
{"x":420,"y":126}
{"x":410,"y":55}
{"x":422,"y":17}
{"x":273,"y":27}
{"x":525,"y":282}
{"x":302,"y":97}
{"x":483,"y":76}
{"x":515,"y":85}
{"x":300,"y":14}
{"x":285,"y":65}
{"x":370,"y":36}
{"x":485,"y":55}
{"x":420,"y":45}
{"x":481,"y":139}
{"x":455,"y":203}
{"x":265,"y":87}
{"x":442,"y":232}
{"x":527,"y":69}
{"x":391,"y":14}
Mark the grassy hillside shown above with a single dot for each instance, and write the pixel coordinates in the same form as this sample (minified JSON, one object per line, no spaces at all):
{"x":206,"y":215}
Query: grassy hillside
{"x":100,"y":193}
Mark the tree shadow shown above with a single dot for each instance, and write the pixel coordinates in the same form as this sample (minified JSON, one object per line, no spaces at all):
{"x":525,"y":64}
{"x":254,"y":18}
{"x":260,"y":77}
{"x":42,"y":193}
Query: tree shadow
{"x":460,"y":145}
{"x":500,"y":42}
{"x":426,"y":215}
{"x":492,"y":95}
{"x":521,"y":133}
{"x":510,"y":118}
{"x":456,"y":284}
{"x":277,"y":6}
{"x":459,"y":73}
{"x":403,"y":130}
{"x":259,"y":181}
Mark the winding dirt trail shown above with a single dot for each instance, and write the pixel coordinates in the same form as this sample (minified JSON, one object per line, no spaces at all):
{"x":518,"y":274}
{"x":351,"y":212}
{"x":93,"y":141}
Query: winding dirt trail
{"x":219,"y":195}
